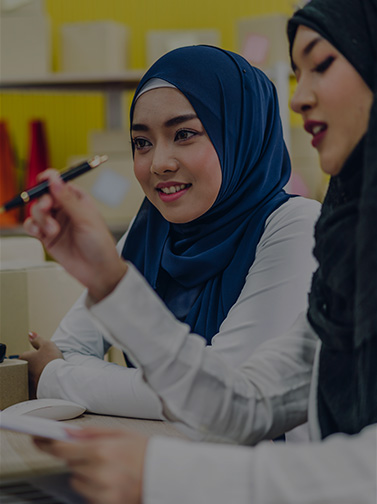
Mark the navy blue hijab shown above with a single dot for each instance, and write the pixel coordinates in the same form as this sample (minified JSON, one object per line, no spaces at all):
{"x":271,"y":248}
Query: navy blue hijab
{"x":199,"y":268}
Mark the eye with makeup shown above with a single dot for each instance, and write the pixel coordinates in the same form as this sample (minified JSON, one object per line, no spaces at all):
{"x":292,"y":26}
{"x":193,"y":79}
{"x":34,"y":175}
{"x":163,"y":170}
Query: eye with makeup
{"x":324,"y":65}
{"x":184,"y":134}
{"x":140,"y":143}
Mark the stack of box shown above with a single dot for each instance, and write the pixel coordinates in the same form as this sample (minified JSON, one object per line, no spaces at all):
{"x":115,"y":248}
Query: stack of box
{"x":160,"y":42}
{"x":262,"y":40}
{"x":21,"y":248}
{"x":94,"y":47}
{"x":34,"y":297}
{"x":25,"y":40}
{"x":13,"y":382}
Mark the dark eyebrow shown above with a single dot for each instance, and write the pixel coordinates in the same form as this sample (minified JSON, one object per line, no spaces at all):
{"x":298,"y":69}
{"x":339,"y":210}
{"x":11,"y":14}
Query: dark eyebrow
{"x":139,"y":127}
{"x":170,"y":122}
{"x":311,"y":44}
{"x":180,"y":119}
{"x":307,"y":49}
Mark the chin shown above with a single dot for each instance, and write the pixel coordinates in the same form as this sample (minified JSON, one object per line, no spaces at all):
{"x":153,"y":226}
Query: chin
{"x":174,"y":219}
{"x":179,"y":221}
{"x":330,"y":167}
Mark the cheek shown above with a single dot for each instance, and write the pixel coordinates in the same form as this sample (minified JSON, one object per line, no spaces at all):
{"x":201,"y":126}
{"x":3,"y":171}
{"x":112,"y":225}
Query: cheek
{"x":210,"y":171}
{"x":215,"y":175}
{"x":363,"y":114}
{"x":352,"y":114}
{"x":141,"y":171}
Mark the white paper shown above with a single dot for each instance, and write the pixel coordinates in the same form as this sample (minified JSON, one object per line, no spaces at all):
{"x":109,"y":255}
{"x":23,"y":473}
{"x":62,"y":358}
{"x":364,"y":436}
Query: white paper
{"x":36,"y":426}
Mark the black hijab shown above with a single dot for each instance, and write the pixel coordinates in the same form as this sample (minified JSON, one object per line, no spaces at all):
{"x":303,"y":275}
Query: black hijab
{"x":343,"y":297}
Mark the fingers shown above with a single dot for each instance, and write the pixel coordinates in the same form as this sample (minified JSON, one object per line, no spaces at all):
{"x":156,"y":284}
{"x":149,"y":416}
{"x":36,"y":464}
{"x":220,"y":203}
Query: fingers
{"x":85,"y":445}
{"x":67,"y":195}
{"x":96,"y":433}
{"x":32,"y":229}
{"x":85,"y":487}
{"x":35,"y":340}
{"x":41,"y":223}
{"x":50,"y":350}
{"x":106,"y":469}
{"x":72,"y":453}
{"x":74,"y":457}
{"x":43,"y":353}
{"x":45,"y":175}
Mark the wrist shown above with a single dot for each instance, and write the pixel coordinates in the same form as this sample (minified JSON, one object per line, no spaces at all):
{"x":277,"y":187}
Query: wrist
{"x":104,"y":285}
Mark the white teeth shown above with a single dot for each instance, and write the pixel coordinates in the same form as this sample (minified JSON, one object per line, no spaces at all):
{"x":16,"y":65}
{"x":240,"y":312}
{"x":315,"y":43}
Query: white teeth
{"x":172,"y":189}
{"x":317,"y":129}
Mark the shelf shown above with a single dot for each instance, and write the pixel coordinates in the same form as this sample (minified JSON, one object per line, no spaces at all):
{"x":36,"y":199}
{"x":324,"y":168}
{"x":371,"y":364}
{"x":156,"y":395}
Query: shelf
{"x":64,"y":81}
{"x":113,"y":85}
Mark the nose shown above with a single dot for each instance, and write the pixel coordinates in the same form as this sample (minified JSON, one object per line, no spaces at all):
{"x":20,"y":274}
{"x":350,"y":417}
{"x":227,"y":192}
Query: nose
{"x":163,"y":161}
{"x":303,"y":98}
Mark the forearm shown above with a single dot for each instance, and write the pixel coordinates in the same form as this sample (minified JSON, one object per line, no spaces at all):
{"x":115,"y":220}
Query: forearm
{"x":86,"y":378}
{"x":262,"y":399}
{"x":102,"y":387}
{"x":341,"y":469}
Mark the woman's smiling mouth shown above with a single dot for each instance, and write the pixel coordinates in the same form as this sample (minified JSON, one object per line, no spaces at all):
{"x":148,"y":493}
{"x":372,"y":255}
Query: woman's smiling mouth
{"x":172,"y":191}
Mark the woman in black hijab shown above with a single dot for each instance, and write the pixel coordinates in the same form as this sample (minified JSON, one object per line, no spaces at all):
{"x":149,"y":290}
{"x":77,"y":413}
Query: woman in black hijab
{"x":343,"y":298}
{"x":333,"y":48}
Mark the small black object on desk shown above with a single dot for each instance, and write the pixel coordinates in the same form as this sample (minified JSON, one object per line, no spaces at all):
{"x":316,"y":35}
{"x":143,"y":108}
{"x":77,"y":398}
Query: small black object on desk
{"x":3,"y":349}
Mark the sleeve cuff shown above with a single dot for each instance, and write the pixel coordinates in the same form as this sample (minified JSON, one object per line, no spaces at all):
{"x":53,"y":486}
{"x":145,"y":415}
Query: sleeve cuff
{"x":47,"y":381}
{"x":186,"y":472}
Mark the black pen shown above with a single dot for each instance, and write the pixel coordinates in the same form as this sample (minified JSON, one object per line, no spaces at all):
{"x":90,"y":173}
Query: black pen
{"x":42,"y":188}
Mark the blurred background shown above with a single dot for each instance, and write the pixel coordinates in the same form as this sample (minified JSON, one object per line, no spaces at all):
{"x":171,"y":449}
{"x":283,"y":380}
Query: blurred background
{"x":68,"y":69}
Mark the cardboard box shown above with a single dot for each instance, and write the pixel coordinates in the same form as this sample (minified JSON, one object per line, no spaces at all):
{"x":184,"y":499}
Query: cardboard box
{"x":33,"y":298}
{"x":115,"y":189}
{"x":13,"y":382}
{"x":98,"y":47}
{"x":160,"y":42}
{"x":25,"y":43}
{"x":113,"y":141}
{"x":22,"y":7}
{"x":21,"y":248}
{"x":262,"y":40}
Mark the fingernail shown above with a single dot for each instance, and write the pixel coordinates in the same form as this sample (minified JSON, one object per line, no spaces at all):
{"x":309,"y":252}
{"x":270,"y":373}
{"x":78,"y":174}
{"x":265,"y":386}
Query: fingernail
{"x":32,"y":335}
{"x":32,"y":229}
{"x":57,"y":183}
{"x":51,"y":226}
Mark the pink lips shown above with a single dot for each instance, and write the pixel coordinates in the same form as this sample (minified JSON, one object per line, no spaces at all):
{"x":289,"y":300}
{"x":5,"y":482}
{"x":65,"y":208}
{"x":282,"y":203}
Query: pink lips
{"x":317,"y":129}
{"x":169,"y":197}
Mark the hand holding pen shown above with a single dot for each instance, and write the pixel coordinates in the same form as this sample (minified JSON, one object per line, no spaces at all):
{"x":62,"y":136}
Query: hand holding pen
{"x":40,"y":189}
{"x":69,"y":225}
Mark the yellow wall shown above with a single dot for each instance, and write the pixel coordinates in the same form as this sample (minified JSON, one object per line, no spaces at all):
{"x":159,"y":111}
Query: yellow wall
{"x":69,"y":117}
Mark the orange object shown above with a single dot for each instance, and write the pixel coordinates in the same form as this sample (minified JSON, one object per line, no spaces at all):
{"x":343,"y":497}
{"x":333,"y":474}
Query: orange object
{"x":8,"y":179}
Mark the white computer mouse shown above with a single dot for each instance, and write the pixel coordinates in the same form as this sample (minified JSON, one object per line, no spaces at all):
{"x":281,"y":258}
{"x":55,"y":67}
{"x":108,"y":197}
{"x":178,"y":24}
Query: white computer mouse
{"x":54,"y":409}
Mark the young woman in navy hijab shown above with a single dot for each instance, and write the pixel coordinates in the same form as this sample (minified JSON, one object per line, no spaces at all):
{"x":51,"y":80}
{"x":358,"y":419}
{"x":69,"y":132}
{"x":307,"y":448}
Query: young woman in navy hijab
{"x":199,"y":267}
{"x":203,"y":267}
